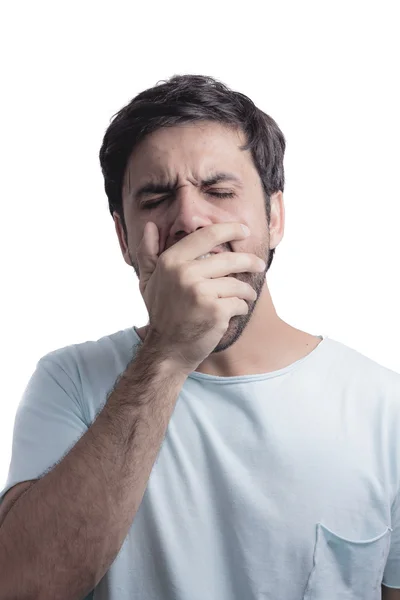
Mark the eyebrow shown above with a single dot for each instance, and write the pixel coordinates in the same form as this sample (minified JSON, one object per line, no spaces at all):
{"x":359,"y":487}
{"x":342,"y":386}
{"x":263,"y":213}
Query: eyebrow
{"x":154,"y":187}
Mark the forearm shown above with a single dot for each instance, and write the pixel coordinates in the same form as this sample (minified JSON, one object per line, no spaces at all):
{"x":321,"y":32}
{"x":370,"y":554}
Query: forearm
{"x":61,"y":536}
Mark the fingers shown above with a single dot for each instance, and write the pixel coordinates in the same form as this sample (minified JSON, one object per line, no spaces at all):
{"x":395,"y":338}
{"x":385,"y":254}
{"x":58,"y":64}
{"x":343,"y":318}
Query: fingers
{"x":147,"y":251}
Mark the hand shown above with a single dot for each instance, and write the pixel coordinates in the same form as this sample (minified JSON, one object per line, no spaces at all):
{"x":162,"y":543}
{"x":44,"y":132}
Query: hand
{"x":190,"y":302}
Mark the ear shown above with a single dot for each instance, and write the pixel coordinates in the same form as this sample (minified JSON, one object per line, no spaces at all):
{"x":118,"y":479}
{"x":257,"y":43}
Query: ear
{"x":123,"y":242}
{"x":277,"y":221}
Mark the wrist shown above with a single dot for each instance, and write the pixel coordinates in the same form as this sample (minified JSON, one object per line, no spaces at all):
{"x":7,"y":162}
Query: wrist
{"x":155,"y":353}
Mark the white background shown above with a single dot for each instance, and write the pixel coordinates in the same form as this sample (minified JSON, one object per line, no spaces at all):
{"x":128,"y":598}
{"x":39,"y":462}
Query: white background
{"x":327,"y":72}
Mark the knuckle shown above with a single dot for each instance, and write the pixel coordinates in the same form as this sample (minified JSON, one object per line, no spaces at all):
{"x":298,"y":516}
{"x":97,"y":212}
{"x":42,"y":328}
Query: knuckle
{"x":199,"y":290}
{"x":254,"y":260}
{"x":216,"y":312}
{"x":251,"y":289}
{"x":240,"y":303}
{"x":196,"y":292}
{"x":165,"y":261}
{"x":245,"y":291}
{"x":213,"y":236}
{"x":185,"y":276}
{"x":182,"y":281}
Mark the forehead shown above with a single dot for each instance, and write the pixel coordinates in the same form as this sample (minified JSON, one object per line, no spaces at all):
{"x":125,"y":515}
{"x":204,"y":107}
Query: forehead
{"x":190,"y":149}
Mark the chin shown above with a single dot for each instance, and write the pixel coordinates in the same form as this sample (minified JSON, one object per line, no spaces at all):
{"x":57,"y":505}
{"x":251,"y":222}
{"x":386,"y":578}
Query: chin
{"x":237,"y":325}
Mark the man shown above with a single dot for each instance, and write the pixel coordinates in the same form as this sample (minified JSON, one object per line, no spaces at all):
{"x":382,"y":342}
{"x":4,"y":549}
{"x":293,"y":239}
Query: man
{"x":236,"y":456}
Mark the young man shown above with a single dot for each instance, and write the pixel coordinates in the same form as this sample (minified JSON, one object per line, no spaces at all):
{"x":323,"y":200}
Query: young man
{"x":236,"y":456}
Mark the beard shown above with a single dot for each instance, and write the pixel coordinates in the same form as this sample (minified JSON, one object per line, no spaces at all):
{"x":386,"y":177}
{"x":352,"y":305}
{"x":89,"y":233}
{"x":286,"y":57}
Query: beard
{"x":237,"y":323}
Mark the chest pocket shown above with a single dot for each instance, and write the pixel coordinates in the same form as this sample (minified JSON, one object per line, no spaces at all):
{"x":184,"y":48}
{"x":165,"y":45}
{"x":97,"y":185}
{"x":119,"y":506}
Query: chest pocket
{"x":347,"y":569}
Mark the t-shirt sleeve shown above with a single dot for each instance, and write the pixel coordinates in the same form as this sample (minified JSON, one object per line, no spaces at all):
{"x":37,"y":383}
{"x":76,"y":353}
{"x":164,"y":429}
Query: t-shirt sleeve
{"x":48,"y":422}
{"x":391,"y":575}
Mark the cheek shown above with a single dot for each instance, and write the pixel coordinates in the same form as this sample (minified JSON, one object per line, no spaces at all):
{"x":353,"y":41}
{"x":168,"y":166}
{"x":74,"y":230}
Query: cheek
{"x":255,"y":244}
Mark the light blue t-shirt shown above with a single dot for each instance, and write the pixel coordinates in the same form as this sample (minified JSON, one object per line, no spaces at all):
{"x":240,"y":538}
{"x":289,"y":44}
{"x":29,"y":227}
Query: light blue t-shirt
{"x":281,"y":485}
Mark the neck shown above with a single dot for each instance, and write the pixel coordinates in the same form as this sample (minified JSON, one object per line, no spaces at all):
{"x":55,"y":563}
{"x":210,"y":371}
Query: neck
{"x":267,"y":344}
{"x":264,"y":345}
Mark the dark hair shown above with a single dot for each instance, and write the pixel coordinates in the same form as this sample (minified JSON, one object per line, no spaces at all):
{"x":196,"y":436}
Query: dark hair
{"x":188,"y":98}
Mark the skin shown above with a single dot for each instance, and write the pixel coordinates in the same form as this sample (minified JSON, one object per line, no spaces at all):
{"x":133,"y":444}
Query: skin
{"x":259,"y":342}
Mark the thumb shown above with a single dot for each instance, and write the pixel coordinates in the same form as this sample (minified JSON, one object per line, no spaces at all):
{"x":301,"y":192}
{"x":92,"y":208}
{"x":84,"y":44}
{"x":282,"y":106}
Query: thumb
{"x":147,"y":253}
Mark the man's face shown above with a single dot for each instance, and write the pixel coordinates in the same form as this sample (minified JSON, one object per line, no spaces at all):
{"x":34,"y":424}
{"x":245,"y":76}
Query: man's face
{"x":182,"y":157}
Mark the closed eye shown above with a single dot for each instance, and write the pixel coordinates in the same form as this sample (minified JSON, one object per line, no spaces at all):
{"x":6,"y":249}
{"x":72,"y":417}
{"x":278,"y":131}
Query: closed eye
{"x":149,"y":205}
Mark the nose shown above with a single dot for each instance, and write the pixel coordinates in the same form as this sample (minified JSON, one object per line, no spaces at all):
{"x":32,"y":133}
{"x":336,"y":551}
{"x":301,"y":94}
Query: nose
{"x":189,"y":212}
